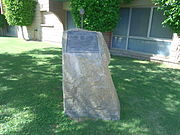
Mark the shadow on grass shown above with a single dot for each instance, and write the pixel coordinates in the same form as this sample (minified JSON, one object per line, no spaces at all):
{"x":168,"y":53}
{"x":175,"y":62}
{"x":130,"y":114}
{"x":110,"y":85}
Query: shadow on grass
{"x":31,"y":97}
{"x":30,"y":84}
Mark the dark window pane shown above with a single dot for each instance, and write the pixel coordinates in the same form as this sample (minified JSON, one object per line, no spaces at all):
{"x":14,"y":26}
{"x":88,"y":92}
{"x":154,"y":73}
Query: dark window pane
{"x":157,"y":29}
{"x":139,"y":22}
{"x":149,"y":46}
{"x":119,"y":42}
{"x":122,"y":26}
{"x":70,"y":22}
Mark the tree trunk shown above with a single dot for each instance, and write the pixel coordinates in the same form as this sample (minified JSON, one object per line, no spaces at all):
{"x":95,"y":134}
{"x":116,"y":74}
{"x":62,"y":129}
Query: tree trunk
{"x":22,"y":33}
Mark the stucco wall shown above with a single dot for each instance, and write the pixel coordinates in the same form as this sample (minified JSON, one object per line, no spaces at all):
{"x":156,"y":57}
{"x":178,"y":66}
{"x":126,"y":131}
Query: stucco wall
{"x":47,"y":24}
{"x":44,"y":5}
{"x":52,"y":28}
{"x":175,"y":49}
{"x":57,"y":8}
{"x":33,"y":32}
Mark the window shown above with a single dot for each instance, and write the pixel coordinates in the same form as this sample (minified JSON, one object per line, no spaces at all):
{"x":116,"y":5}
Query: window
{"x":140,"y":29}
{"x":122,"y":26}
{"x":157,"y":29}
{"x":139,"y":22}
{"x":149,"y":46}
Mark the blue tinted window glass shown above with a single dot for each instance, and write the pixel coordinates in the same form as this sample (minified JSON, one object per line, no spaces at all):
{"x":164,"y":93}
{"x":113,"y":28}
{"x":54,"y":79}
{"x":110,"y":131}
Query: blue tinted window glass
{"x":70,"y":22}
{"x":139,"y":22}
{"x":122,"y":26}
{"x":119,"y":42}
{"x":149,"y":46}
{"x":157,"y":29}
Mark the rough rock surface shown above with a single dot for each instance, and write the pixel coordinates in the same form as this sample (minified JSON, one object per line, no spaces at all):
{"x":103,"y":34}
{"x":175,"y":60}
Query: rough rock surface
{"x":88,"y":88}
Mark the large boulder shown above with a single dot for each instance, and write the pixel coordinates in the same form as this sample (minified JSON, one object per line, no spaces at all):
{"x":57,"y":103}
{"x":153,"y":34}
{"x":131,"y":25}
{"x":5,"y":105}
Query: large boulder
{"x":88,"y":88}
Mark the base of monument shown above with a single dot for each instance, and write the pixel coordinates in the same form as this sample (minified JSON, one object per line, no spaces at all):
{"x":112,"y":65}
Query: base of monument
{"x":86,"y":119}
{"x":93,"y":115}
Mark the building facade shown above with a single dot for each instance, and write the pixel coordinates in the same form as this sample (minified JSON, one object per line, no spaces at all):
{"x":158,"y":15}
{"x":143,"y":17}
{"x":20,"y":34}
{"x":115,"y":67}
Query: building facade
{"x":139,"y":32}
{"x":48,"y":25}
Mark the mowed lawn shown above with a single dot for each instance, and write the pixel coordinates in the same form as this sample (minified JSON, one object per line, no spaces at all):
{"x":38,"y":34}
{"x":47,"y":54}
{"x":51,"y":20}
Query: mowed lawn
{"x":31,"y":101}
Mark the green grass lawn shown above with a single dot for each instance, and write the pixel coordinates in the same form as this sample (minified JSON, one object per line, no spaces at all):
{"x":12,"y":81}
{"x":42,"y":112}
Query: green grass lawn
{"x":31,"y":100}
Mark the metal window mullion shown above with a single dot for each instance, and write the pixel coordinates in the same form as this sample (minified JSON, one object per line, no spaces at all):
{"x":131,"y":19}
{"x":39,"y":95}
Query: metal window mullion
{"x":129,"y":23}
{"x":150,"y":22}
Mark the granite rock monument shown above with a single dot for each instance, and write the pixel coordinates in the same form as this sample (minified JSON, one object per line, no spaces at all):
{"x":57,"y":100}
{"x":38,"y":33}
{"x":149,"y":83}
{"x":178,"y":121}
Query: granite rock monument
{"x":88,"y":89}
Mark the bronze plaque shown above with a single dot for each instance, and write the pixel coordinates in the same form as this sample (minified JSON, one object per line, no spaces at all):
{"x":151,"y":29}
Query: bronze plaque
{"x":82,"y":42}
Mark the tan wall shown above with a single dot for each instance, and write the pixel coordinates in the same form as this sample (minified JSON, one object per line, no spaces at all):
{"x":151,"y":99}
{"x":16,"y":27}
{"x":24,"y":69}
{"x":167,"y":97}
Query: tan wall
{"x":52,"y":29}
{"x":47,"y":24}
{"x":57,"y":8}
{"x":33,"y":32}
{"x":44,"y":5}
{"x":66,"y":6}
{"x":175,"y":48}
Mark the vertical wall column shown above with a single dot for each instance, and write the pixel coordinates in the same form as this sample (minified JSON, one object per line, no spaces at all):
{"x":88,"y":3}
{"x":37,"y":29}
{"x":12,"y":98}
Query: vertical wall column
{"x":108,"y":38}
{"x":175,"y":49}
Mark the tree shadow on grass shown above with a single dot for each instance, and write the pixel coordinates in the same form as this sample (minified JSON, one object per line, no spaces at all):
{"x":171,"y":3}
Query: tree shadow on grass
{"x":32,"y":102}
{"x":149,"y":95}
{"x":30,"y":84}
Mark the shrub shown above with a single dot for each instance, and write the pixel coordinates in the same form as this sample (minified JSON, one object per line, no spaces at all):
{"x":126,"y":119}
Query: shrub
{"x":100,"y":15}
{"x":171,"y":9}
{"x":19,"y":12}
{"x":2,"y":21}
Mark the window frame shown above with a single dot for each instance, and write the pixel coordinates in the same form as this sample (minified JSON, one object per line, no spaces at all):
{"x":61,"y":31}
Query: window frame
{"x":148,"y":37}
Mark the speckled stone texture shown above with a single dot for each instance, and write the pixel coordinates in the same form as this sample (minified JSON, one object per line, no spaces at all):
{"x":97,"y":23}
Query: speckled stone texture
{"x":88,"y":89}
